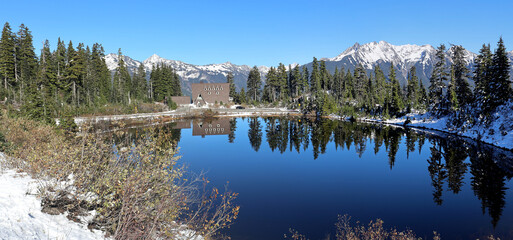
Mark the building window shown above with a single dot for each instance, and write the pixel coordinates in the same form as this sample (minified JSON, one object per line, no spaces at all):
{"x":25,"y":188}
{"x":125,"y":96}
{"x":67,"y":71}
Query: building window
{"x":221,"y":88}
{"x":205,"y":88}
{"x":209,"y":93}
{"x":217,"y":93}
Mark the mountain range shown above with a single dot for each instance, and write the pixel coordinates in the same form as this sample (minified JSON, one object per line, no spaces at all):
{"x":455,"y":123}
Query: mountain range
{"x":369,"y":55}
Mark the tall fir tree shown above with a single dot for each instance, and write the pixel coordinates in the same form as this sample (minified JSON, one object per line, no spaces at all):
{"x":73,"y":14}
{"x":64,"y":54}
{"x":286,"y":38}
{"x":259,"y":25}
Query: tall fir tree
{"x":461,"y":76}
{"x":412,"y":89}
{"x":396,"y":103}
{"x":230,"y":79}
{"x":452,"y":92}
{"x":26,"y":60}
{"x":437,"y":80}
{"x":254,"y":83}
{"x":315,"y":77}
{"x":283,"y":89}
{"x":500,"y":83}
{"x":7,"y":62}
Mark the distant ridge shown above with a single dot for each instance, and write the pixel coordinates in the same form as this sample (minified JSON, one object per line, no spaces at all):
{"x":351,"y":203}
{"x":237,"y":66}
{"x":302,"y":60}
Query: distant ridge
{"x":369,"y":55}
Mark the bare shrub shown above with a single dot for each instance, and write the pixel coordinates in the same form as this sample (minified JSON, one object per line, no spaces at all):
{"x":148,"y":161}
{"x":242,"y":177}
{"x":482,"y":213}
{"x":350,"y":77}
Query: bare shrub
{"x":135,"y":187}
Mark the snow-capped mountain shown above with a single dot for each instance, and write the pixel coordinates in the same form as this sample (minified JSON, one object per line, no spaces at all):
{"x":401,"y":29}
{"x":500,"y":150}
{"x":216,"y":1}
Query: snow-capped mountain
{"x":190,"y":73}
{"x":403,"y":57}
{"x":369,"y":55}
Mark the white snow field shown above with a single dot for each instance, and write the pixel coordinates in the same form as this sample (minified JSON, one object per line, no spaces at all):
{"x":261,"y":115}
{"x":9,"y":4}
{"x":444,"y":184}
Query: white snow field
{"x":21,"y":216}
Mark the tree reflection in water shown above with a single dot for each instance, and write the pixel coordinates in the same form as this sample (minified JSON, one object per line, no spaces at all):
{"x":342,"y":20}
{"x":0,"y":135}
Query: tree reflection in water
{"x":447,"y":163}
{"x":450,"y":157}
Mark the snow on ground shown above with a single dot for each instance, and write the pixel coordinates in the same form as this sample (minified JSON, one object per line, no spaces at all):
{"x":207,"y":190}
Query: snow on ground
{"x":21,"y":216}
{"x":499,"y":133}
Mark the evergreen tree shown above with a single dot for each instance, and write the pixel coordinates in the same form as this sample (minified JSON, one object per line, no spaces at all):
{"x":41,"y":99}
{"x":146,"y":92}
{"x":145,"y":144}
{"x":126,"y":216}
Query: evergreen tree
{"x":381,"y":85}
{"x":461,"y":75}
{"x":326,"y":81}
{"x":453,"y":96}
{"x":46,"y":83}
{"x":254,"y":83}
{"x":315,"y":77}
{"x":271,"y":86}
{"x":296,"y":81}
{"x":26,"y":60}
{"x":7,"y":62}
{"x":437,"y":80}
{"x":482,"y":76}
{"x":412,"y":92}
{"x":396,"y":104}
{"x":242,"y":96}
{"x":229,"y":79}
{"x":101,"y":74}
{"x":139,"y":87}
{"x":423,"y":98}
{"x":304,"y":80}
{"x":122,"y":81}
{"x":283,"y":90}
{"x":500,"y":84}
{"x":348,"y":85}
{"x":359,"y":83}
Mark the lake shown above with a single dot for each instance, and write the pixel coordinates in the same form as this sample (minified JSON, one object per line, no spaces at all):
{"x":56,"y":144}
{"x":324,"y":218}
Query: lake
{"x":301,"y":174}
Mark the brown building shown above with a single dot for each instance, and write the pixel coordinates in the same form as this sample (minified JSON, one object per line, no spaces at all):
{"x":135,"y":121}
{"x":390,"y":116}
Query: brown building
{"x":210,"y":93}
{"x":181,"y":100}
{"x":218,"y":126}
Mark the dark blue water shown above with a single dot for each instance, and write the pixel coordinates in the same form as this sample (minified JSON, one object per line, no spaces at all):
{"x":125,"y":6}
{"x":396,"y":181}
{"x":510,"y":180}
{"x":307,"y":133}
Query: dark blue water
{"x":301,"y":174}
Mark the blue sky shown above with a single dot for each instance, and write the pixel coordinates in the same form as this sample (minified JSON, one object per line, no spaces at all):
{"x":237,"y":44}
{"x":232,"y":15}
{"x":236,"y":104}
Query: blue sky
{"x":259,"y":32}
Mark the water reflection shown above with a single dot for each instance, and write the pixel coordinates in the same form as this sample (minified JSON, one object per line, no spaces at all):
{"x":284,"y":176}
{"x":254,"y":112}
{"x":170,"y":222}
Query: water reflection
{"x":449,"y":160}
{"x":447,"y":164}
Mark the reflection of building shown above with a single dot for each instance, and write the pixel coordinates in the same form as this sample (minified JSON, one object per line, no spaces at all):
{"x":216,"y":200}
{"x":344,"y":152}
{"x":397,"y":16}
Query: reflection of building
{"x":210,"y":93}
{"x":218,"y":126}
{"x":182,"y":124}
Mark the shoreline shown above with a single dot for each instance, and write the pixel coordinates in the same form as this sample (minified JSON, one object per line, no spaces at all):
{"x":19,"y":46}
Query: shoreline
{"x":418,"y":122}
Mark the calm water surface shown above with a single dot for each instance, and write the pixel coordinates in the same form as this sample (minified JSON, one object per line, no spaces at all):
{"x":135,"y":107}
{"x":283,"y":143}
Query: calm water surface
{"x":301,"y":174}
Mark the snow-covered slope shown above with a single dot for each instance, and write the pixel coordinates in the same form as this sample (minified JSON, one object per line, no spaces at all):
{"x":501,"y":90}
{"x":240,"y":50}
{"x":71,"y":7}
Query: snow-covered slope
{"x":21,"y":216}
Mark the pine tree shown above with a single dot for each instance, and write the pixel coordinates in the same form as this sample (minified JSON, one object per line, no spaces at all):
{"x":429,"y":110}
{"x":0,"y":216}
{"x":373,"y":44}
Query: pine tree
{"x":295,"y":81}
{"x":396,"y":104}
{"x":271,"y":86}
{"x":359,"y":83}
{"x":122,"y":81}
{"x":101,"y":74}
{"x":482,"y":76}
{"x":305,"y":87}
{"x":26,"y":60}
{"x":500,"y":84}
{"x":242,"y":96}
{"x":46,"y":79}
{"x":283,"y":90}
{"x":461,"y":75}
{"x":139,"y":83}
{"x":254,"y":83}
{"x":315,"y":77}
{"x":348,"y":85}
{"x":7,"y":62}
{"x":381,"y":86}
{"x":437,"y":80}
{"x":453,"y":96}
{"x":229,"y":79}
{"x":412,"y":92}
{"x":326,"y":81}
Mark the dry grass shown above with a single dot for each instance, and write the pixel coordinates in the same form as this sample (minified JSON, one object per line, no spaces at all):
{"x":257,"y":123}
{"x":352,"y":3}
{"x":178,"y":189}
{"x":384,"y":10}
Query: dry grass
{"x":136,"y":188}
